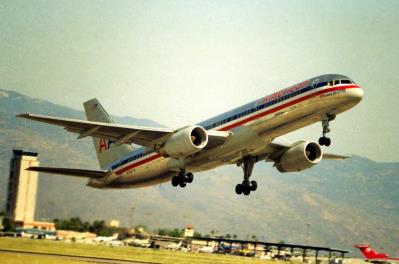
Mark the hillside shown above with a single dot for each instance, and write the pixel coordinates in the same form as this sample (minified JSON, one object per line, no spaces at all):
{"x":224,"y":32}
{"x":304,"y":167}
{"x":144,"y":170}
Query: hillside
{"x":345,"y":202}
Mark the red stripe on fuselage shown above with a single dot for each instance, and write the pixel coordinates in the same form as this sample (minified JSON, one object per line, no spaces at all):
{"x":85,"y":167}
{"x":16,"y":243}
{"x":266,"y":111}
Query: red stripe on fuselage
{"x":141,"y":162}
{"x":241,"y":122}
{"x":288,"y":104}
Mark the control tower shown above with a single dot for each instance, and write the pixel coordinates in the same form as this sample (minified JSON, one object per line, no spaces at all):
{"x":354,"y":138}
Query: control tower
{"x":22,"y":187}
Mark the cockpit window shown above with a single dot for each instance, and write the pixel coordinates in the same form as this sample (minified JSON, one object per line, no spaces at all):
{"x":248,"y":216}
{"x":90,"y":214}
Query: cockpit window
{"x":336,"y":82}
{"x":346,"y":82}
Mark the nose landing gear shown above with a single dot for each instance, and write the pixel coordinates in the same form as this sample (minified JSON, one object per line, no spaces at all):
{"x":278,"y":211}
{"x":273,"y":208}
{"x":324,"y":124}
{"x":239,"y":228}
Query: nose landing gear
{"x":325,"y":122}
{"x":247,"y":186}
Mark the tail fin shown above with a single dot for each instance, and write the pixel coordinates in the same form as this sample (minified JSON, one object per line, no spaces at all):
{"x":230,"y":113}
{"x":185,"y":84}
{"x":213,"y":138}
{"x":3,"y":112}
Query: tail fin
{"x":106,"y":152}
{"x":369,"y":253}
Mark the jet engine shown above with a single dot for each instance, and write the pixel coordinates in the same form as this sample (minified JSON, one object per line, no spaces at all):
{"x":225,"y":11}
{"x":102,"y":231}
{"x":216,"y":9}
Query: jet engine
{"x":185,"y":142}
{"x":300,"y":156}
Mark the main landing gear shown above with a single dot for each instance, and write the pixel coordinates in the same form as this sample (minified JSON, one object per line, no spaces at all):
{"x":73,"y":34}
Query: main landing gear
{"x":247,"y":186}
{"x":325,"y":122}
{"x":182,"y":179}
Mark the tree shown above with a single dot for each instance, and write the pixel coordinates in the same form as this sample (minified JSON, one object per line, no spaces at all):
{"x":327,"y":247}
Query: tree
{"x":162,"y":232}
{"x":97,"y":226}
{"x":8,"y":225}
{"x":175,"y":232}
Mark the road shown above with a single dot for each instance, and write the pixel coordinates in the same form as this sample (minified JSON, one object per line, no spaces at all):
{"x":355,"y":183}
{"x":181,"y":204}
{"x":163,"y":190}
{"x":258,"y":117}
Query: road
{"x":77,"y":258}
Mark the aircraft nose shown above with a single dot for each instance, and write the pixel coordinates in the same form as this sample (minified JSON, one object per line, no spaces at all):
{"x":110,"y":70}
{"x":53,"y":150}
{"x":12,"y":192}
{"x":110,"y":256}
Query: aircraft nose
{"x":355,"y":94}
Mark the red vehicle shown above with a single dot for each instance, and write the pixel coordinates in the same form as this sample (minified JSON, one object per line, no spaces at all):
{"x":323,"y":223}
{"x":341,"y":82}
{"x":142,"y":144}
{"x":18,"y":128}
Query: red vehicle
{"x":374,"y":256}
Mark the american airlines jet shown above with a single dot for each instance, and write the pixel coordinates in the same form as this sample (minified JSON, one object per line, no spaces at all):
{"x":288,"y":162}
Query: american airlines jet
{"x":242,"y":136}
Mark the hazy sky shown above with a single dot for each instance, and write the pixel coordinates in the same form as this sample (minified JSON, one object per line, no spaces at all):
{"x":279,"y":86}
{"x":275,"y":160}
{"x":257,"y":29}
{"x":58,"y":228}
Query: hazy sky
{"x":179,"y":62}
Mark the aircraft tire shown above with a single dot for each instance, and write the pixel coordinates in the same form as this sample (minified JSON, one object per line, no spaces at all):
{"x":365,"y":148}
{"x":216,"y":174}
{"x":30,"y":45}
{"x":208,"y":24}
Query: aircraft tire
{"x":246,"y":189}
{"x":239,"y":189}
{"x":322,"y":141}
{"x":253,"y":186}
{"x":175,"y":181}
{"x":189,"y":177}
{"x":182,"y":184}
{"x":327,"y":142}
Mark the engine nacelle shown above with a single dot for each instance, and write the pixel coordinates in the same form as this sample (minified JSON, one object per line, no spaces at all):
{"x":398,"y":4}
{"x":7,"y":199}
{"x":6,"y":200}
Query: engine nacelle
{"x":301,"y":156}
{"x":185,"y":142}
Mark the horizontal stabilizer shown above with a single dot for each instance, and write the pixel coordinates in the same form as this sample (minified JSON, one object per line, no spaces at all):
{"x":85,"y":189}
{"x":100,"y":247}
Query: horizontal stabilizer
{"x":95,"y":174}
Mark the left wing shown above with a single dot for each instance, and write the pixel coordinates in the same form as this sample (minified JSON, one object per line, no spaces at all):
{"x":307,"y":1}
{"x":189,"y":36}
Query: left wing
{"x":122,"y":134}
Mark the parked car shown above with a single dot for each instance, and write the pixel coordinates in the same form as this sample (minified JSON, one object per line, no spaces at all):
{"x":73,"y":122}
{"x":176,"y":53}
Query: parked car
{"x":207,"y":249}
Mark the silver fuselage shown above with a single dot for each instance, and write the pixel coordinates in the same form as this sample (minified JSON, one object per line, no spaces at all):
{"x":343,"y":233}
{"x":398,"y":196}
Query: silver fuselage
{"x":253,"y":128}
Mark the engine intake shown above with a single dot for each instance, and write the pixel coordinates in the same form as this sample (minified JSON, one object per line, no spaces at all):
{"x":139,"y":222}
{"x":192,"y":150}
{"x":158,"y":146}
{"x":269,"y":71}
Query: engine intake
{"x":185,"y":142}
{"x":301,"y":156}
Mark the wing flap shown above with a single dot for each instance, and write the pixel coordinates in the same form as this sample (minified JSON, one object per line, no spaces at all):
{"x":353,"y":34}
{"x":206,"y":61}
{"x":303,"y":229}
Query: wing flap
{"x":94,"y":174}
{"x":217,"y":138}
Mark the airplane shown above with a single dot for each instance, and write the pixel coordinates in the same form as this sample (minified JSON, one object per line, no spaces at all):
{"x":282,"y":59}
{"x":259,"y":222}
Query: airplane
{"x":242,"y":136}
{"x":373,"y":256}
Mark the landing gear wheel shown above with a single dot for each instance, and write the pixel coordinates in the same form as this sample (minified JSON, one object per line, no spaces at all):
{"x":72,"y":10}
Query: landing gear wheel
{"x":247,"y":189}
{"x":175,"y":181}
{"x":253,"y":185}
{"x":327,"y":142}
{"x":325,"y":122}
{"x":182,"y":179}
{"x":189,"y":177}
{"x":247,"y":164}
{"x":239,"y":189}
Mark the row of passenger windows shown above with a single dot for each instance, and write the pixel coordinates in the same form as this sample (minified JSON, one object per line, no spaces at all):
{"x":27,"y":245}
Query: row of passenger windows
{"x":278,"y":100}
{"x":270,"y":103}
{"x":123,"y":162}
{"x":336,"y":82}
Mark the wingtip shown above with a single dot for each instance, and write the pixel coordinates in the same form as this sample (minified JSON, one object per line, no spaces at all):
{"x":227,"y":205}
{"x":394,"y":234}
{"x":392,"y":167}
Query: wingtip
{"x":25,"y":115}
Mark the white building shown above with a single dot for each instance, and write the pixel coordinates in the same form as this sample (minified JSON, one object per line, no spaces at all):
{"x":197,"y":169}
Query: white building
{"x":22,"y":187}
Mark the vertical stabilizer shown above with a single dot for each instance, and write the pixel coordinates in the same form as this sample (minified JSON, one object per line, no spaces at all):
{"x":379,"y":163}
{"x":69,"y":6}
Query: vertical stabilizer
{"x":106,"y":151}
{"x":369,"y":253}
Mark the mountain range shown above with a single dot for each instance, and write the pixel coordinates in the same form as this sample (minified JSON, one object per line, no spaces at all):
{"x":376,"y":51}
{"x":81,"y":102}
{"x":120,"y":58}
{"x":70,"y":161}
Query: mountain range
{"x":343,"y":202}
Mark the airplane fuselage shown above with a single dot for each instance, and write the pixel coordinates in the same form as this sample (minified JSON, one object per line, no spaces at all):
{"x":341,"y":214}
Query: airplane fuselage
{"x":253,"y":128}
